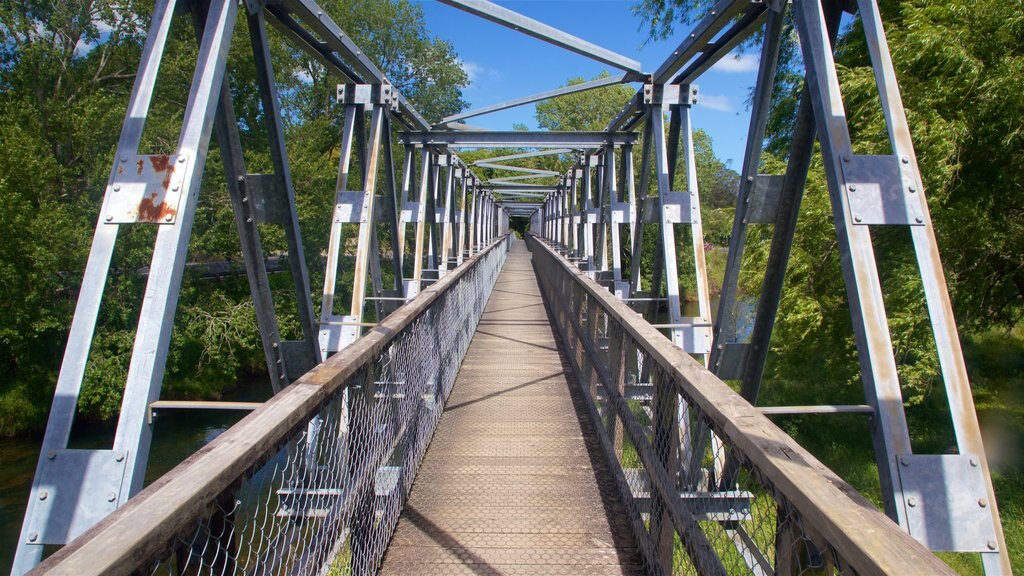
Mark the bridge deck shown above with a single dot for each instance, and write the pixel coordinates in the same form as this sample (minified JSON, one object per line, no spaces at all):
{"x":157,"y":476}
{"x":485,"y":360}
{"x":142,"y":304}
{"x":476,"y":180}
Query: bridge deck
{"x":514,"y":481}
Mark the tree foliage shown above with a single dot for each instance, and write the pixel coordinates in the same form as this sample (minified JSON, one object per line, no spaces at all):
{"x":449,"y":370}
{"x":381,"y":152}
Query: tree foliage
{"x":590,"y":110}
{"x":66,"y":70}
{"x":958,"y":64}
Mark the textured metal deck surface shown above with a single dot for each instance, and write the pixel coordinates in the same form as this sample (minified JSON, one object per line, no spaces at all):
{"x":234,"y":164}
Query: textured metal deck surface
{"x":514,"y":481}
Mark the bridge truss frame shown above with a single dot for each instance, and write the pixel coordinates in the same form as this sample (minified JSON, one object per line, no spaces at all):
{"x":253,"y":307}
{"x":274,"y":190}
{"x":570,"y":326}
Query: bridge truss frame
{"x":933,"y":497}
{"x":595,"y":215}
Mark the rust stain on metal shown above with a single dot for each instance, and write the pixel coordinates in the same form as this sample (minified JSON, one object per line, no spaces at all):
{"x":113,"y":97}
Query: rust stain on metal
{"x":162,"y":163}
{"x":120,"y":170}
{"x":152,"y":210}
{"x":139,"y":166}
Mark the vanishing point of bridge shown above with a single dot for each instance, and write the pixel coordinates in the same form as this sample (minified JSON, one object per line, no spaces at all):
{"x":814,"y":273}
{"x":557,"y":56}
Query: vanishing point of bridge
{"x":477,"y":403}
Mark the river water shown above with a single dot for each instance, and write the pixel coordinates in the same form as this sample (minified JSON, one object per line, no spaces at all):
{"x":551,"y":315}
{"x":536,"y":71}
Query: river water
{"x":176,"y":435}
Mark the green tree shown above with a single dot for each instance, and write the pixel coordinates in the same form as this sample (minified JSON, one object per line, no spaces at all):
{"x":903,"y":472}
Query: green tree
{"x":590,"y":110}
{"x":66,"y":69}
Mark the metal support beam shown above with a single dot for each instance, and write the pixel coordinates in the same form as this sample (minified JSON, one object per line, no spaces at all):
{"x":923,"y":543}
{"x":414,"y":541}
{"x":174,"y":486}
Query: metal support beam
{"x":540,"y":31}
{"x":510,"y":139}
{"x":571,"y":89}
{"x":98,"y":481}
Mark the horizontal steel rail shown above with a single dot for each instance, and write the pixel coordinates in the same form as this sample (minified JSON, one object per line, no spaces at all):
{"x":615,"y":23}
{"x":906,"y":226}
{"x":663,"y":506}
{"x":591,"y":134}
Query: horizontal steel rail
{"x":710,"y":484}
{"x":314,"y":480}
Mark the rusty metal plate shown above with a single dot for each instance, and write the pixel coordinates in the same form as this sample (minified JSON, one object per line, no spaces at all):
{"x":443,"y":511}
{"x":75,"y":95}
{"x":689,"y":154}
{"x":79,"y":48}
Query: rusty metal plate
{"x":145,"y":188}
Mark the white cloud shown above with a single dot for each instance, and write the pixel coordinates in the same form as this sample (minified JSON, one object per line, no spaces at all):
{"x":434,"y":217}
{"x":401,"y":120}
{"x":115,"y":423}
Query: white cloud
{"x":477,"y":72}
{"x":718,"y":102}
{"x":736,"y":63}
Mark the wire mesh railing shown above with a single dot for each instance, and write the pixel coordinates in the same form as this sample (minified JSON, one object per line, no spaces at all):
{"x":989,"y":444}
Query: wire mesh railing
{"x":314,"y":481}
{"x":711,"y":486}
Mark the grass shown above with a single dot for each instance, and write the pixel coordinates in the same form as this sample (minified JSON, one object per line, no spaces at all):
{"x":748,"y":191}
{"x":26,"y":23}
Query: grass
{"x":995,"y":362}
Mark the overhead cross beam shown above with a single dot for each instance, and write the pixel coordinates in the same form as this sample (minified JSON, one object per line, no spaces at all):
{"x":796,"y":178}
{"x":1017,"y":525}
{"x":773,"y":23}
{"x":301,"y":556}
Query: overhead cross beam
{"x":541,"y":31}
{"x":514,"y":138}
{"x":572,"y":89}
{"x":522,"y":155}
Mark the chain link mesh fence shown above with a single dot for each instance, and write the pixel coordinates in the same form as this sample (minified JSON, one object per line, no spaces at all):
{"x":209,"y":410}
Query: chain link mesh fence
{"x":320,"y":489}
{"x":700,"y":500}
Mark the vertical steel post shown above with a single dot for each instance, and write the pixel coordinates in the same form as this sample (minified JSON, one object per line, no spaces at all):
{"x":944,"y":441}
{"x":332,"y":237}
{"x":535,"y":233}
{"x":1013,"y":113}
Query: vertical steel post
{"x":871,"y":329}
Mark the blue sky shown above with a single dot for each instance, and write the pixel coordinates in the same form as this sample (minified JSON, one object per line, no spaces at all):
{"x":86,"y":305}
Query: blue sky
{"x":504,"y":64}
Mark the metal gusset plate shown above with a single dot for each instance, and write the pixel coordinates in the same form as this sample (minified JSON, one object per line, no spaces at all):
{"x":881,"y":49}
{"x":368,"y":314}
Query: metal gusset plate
{"x":145,"y":188}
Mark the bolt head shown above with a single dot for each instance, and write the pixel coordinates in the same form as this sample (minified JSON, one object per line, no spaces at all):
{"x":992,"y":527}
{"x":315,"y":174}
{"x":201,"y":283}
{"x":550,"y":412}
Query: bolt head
{"x":912,"y":501}
{"x":919,"y":220}
{"x":110,"y":218}
{"x":974,"y":462}
{"x":119,"y":456}
{"x":905,"y":159}
{"x":181,"y":160}
{"x":111,"y":497}
{"x":33,"y":536}
{"x":43,"y":494}
{"x":912,"y":188}
{"x":852,"y":187}
{"x":991,"y":544}
{"x":52,"y":454}
{"x":168,"y":218}
{"x":904,"y":461}
{"x":117,"y":188}
{"x":124,"y":159}
{"x":847,"y":158}
{"x":982,"y":502}
{"x":857,"y":218}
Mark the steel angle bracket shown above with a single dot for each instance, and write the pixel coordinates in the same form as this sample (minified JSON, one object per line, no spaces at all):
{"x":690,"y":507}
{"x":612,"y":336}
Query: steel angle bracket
{"x":882,"y":190}
{"x":946,"y":502}
{"x":75,"y":490}
{"x":145,"y":188}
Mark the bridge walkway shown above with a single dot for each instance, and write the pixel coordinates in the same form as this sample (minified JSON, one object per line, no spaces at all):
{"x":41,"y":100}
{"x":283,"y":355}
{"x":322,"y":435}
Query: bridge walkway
{"x":514,"y":481}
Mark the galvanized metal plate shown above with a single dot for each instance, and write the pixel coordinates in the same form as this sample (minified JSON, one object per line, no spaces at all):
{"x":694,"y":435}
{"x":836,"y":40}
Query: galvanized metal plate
{"x":946,"y":503}
{"x":268,"y":198}
{"x":620,"y":289}
{"x":677,"y":208}
{"x":145,"y":188}
{"x":351,"y":208}
{"x":338,"y":333}
{"x":77,"y":489}
{"x":593,"y":215}
{"x":881,"y":190}
{"x":693,"y":336}
{"x":732,"y":361}
{"x":411,"y":212}
{"x":621,"y":213}
{"x":763,"y":202}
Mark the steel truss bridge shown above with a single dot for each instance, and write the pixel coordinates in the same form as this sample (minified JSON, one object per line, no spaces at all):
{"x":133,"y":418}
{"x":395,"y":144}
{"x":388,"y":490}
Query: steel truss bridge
{"x":480,"y":407}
